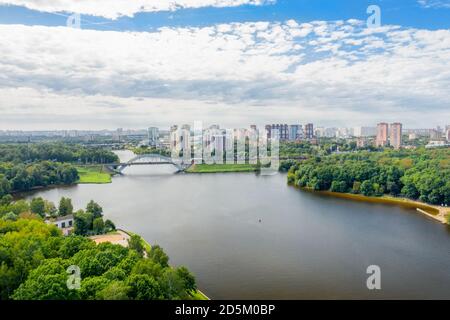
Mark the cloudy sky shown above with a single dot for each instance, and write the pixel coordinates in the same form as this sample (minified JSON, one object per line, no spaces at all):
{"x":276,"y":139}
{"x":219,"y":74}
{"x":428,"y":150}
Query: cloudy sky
{"x":138,"y":63}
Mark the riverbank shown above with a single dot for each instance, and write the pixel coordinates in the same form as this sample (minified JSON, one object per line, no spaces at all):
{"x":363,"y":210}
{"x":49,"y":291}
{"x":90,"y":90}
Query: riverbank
{"x":437,"y":213}
{"x":196,"y":296}
{"x":93,"y":175}
{"x":222,"y":168}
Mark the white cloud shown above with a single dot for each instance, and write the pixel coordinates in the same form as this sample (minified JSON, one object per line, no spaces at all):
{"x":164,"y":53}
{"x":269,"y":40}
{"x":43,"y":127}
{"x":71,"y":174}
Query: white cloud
{"x":113,"y":9}
{"x":434,"y":3}
{"x":332,"y":72}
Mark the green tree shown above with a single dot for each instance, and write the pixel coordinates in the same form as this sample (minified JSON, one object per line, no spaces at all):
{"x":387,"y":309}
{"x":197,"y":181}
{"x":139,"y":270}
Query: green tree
{"x":65,"y":207}
{"x":149,"y":267}
{"x":188,"y":279}
{"x":82,"y":222}
{"x":143,"y":287}
{"x":50,"y":209}
{"x":47,"y":282}
{"x":37,"y":206}
{"x":116,"y":290}
{"x":109,"y":226}
{"x":98,"y":226}
{"x":356,"y":187}
{"x":10,"y":216}
{"x":135,"y":243}
{"x":367,"y":188}
{"x":95,"y":209}
{"x":158,"y":255}
{"x":90,"y":287}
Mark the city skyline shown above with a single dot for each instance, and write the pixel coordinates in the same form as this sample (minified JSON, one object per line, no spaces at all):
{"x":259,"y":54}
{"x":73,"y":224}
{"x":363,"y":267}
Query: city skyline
{"x":229,"y":61}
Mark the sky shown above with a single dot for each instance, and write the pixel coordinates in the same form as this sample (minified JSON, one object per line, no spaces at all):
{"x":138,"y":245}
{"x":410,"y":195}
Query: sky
{"x":105,"y":64}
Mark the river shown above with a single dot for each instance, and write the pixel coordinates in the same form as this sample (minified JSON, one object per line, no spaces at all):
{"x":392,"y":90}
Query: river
{"x":247,"y":236}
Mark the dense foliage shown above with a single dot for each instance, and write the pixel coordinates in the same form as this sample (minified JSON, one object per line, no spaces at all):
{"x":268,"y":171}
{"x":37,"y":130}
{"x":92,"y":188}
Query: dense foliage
{"x":24,"y":177}
{"x":56,"y":152}
{"x":419,"y":174}
{"x":27,"y":166}
{"x":36,"y":260}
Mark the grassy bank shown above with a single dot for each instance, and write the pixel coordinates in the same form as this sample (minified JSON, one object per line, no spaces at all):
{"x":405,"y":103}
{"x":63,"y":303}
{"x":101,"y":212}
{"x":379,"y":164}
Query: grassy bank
{"x":217,"y":168}
{"x":438,"y":213}
{"x":94,"y":175}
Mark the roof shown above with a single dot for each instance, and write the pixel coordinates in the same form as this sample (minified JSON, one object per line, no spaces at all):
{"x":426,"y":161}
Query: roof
{"x":68,"y":217}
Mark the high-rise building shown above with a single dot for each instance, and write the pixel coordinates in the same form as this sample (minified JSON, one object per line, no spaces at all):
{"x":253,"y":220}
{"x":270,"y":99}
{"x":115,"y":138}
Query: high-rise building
{"x":396,"y":135}
{"x":447,"y":135}
{"x":295,"y":132}
{"x":309,"y":131}
{"x":153,"y":136}
{"x":283,"y":131}
{"x":382,"y":135}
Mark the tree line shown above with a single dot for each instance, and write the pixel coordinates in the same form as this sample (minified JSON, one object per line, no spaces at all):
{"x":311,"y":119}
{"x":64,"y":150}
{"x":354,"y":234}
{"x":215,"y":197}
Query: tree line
{"x":416,"y":174}
{"x":56,"y":152}
{"x":24,"y":177}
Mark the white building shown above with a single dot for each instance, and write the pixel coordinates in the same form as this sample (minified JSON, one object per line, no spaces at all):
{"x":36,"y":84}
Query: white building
{"x":65,"y":223}
{"x":153,"y":136}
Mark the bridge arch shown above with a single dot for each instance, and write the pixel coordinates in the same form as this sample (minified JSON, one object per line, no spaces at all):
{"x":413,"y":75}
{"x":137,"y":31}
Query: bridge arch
{"x":149,"y":159}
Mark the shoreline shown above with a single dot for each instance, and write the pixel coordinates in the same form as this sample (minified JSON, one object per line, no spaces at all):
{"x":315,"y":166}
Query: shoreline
{"x":434,"y":212}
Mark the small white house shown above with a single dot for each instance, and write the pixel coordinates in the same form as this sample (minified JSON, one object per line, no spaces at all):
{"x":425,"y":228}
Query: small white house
{"x":64,"y":223}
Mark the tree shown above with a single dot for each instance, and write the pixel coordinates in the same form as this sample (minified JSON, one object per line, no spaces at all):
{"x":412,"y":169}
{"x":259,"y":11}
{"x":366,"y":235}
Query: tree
{"x":10,"y":216}
{"x":47,"y":282}
{"x":82,"y":222}
{"x":149,"y":267}
{"x":158,"y":255}
{"x":65,"y":207}
{"x":90,"y":286}
{"x":98,"y":226}
{"x":37,"y":206}
{"x":143,"y":287}
{"x":339,"y":186}
{"x":73,"y":244}
{"x":356,"y":187}
{"x":6,"y":200}
{"x":187,"y":278}
{"x":50,"y":209}
{"x":95,"y":209}
{"x":109,"y":226}
{"x":135,"y":243}
{"x":20,"y":206}
{"x":116,"y":290}
{"x":367,"y":188}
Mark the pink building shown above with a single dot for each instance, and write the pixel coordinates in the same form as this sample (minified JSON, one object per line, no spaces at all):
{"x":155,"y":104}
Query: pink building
{"x":382,"y":135}
{"x":396,"y":135}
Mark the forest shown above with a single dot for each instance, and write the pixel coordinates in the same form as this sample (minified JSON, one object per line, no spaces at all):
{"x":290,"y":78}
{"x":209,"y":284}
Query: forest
{"x":24,"y":167}
{"x":420,"y":174}
{"x":55,"y":152}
